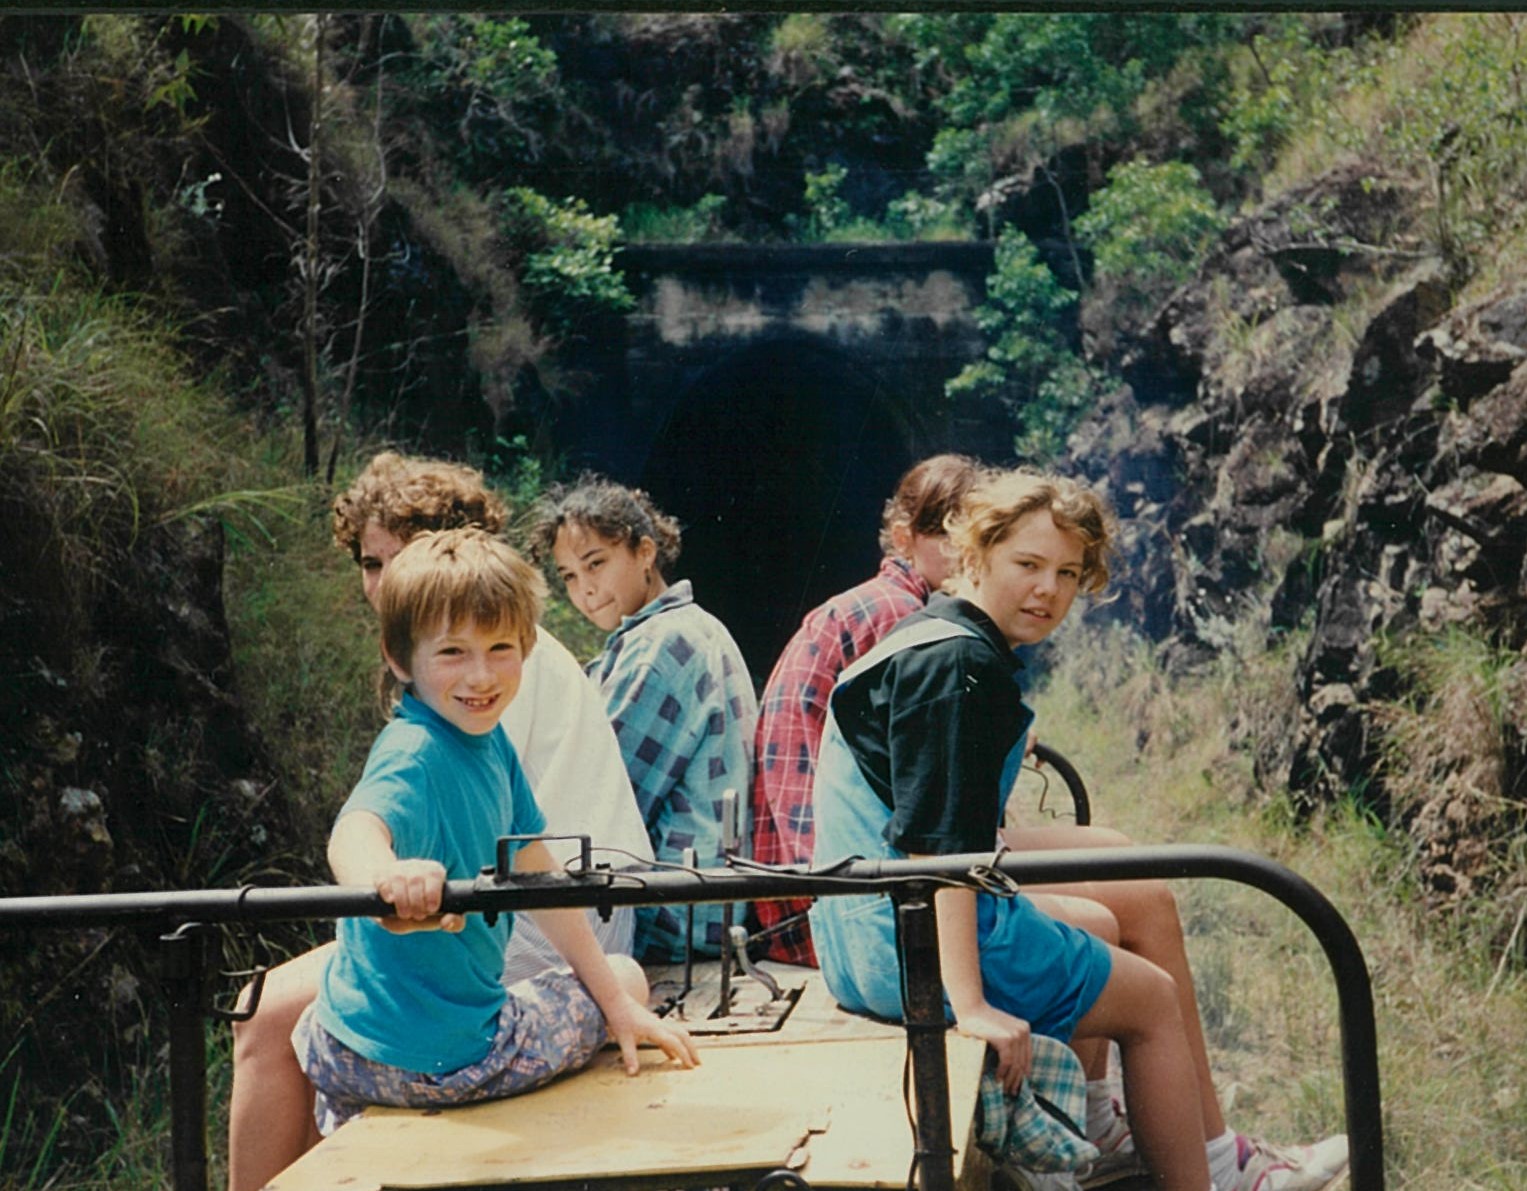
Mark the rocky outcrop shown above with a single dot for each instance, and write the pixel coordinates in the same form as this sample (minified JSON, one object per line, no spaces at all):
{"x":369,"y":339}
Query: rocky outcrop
{"x":1310,"y":421}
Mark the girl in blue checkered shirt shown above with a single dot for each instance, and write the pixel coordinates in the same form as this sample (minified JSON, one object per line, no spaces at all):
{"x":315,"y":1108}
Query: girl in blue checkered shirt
{"x":675,"y":686}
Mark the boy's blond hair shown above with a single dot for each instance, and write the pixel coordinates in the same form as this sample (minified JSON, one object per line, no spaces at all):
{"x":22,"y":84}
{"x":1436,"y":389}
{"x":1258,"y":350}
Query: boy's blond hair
{"x":999,"y":502}
{"x":455,"y":577}
{"x":406,"y":496}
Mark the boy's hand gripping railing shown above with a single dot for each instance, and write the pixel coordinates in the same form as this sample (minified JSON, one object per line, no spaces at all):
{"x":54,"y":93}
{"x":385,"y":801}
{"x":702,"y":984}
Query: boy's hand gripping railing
{"x":183,"y":919}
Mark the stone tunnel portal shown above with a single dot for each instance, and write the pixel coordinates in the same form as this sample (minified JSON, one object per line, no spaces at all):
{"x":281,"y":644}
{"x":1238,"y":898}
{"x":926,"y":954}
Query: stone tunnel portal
{"x":777,"y":462}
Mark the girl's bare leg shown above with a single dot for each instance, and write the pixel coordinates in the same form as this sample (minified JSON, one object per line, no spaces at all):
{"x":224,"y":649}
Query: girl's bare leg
{"x":270,"y":1109}
{"x":1149,"y":926}
{"x":1139,"y":1008}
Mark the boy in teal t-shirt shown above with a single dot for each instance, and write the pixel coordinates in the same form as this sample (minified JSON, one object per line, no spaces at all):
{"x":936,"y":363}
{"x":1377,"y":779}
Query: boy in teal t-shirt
{"x":410,"y":1010}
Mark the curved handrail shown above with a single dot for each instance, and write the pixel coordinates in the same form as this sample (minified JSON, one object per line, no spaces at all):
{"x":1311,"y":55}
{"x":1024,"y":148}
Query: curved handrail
{"x":495,"y":892}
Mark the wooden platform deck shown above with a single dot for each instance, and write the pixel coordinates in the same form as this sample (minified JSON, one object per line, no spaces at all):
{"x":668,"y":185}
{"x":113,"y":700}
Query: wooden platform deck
{"x":821,"y":1095}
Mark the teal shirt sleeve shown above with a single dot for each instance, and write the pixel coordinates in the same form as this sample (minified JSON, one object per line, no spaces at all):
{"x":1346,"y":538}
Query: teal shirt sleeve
{"x":395,"y":787}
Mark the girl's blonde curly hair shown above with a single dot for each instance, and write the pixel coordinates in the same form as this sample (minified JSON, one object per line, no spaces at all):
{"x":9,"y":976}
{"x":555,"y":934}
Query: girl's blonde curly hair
{"x":998,"y":502}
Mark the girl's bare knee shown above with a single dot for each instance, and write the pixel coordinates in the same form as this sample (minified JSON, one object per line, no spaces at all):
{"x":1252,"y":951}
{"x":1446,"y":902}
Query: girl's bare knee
{"x":1157,"y":996}
{"x":1106,"y":837}
{"x":631,"y":977}
{"x":289,"y":988}
{"x":1150,"y":920}
{"x":1138,"y":1002}
{"x":263,"y":1034}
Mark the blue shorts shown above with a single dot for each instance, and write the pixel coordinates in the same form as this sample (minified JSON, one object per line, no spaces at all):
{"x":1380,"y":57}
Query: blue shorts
{"x":549,"y":1024}
{"x":1044,"y":971}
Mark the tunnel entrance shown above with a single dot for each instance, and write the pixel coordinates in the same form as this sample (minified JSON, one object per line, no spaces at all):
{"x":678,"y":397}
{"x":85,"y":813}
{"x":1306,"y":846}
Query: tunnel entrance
{"x":777,"y":463}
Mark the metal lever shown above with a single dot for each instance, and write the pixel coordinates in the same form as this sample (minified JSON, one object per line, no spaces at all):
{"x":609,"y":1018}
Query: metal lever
{"x":740,"y":947}
{"x":691,"y":862}
{"x":729,"y":834}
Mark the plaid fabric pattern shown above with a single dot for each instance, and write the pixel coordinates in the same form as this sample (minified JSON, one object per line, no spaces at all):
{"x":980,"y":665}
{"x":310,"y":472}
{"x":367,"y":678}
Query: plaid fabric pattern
{"x":681,"y":701}
{"x":1040,"y":1127}
{"x":548,"y":1024}
{"x":791,"y":718}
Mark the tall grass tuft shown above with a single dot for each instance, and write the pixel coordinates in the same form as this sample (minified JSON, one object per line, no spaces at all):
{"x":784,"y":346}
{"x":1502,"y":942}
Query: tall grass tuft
{"x":111,"y":453}
{"x":1461,"y":794}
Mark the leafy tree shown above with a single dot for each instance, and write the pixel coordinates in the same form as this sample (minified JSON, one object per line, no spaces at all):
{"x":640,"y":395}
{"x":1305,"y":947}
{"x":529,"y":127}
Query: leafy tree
{"x":484,"y":86}
{"x":569,"y":257}
{"x":1068,"y":76}
{"x":1029,"y":365}
{"x":1149,"y":226}
{"x":1285,"y":77}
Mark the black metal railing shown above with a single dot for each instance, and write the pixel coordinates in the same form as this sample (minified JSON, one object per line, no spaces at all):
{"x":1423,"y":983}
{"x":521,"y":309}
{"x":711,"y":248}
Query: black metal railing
{"x":184,"y":920}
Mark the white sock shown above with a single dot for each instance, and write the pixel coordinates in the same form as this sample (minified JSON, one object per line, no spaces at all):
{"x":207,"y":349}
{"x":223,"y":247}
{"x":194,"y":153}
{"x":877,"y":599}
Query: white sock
{"x":1223,"y":1159}
{"x":1102,"y":1111}
{"x":1099,"y":1108}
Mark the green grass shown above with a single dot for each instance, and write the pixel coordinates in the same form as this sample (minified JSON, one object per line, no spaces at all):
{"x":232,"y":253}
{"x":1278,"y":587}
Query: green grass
{"x":137,"y":1151}
{"x":1167,"y":762}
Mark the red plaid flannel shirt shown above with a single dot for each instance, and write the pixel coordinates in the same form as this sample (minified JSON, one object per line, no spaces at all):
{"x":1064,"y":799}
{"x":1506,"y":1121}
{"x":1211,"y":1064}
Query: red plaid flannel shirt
{"x":791,"y":718}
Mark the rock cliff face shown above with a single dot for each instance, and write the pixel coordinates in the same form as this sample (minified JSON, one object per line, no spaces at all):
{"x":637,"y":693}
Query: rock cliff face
{"x":128,"y":765}
{"x":1314,"y":418}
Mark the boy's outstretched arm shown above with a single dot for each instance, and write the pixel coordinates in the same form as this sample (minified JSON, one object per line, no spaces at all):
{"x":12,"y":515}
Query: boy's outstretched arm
{"x":628,"y":1019}
{"x":360,"y":853}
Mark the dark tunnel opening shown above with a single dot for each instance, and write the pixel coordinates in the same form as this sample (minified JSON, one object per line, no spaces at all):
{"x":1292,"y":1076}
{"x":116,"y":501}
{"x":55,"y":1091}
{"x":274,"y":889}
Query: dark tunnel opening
{"x":777,"y":463}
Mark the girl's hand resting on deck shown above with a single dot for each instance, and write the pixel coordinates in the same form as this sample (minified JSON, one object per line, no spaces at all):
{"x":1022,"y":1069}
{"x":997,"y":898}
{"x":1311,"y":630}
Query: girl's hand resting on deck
{"x":413,"y":888}
{"x":1008,"y":1036}
{"x":630,"y":1024}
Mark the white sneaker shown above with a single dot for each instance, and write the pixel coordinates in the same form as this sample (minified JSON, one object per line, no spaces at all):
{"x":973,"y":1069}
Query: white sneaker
{"x":1265,"y":1167}
{"x":1110,"y":1168}
{"x":1119,"y":1159}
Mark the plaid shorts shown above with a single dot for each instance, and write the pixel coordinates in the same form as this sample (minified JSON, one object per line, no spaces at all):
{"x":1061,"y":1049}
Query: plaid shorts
{"x":549,"y":1024}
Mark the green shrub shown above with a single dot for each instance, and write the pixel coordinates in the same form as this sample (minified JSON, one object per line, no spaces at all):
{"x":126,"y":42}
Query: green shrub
{"x":914,"y":216}
{"x":569,"y":257}
{"x":917,"y":216}
{"x":1149,"y":227}
{"x":826,"y":210}
{"x":655,"y":223}
{"x":1028,"y":366}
